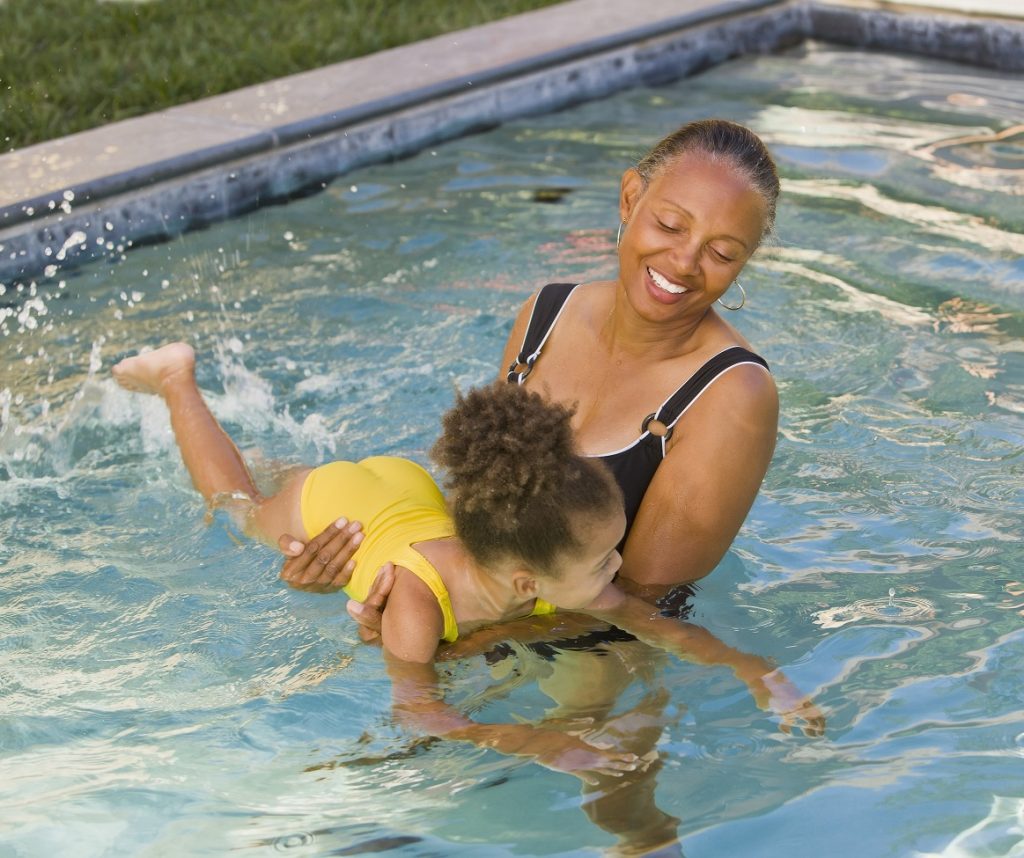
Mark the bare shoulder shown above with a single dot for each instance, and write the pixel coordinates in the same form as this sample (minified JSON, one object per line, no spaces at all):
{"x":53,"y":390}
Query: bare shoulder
{"x":749,"y":388}
{"x":742,"y":399}
{"x":744,"y":390}
{"x":586,"y":302}
{"x":412,"y":623}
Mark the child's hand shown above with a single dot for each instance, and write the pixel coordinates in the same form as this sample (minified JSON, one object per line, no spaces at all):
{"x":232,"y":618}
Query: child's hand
{"x":563,"y":752}
{"x":774,"y":691}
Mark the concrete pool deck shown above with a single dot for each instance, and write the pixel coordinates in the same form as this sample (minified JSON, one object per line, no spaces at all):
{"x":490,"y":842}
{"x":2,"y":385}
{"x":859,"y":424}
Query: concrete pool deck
{"x":69,"y":200}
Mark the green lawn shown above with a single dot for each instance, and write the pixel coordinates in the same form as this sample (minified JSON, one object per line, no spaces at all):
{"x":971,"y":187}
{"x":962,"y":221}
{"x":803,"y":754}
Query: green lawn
{"x":68,"y":65}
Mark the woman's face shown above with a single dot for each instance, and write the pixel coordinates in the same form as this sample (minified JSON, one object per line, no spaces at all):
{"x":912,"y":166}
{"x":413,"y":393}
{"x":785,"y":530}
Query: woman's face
{"x":686,"y":235}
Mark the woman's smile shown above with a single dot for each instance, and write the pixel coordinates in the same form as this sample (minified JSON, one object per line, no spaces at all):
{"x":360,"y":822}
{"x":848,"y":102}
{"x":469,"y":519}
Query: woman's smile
{"x":662,"y":282}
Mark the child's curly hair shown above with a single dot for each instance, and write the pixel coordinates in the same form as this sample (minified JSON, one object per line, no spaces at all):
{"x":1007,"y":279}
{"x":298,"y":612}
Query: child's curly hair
{"x":516,"y":484}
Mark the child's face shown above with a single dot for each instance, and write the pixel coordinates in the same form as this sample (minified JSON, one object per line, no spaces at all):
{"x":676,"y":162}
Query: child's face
{"x":586,"y":572}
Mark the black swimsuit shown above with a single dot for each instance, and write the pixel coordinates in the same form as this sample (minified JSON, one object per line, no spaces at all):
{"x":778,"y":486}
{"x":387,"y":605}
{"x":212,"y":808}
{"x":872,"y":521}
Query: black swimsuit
{"x":632,"y":466}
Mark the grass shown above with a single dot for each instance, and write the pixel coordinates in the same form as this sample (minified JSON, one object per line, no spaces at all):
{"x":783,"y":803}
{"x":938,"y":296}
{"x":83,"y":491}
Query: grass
{"x":68,"y":65}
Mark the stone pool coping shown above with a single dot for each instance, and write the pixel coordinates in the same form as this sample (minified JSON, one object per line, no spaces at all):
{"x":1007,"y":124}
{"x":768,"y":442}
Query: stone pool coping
{"x":69,"y":200}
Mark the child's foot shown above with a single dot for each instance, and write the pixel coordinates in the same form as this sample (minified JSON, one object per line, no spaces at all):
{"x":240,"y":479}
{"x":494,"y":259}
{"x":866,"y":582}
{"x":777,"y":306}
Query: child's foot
{"x":150,"y":371}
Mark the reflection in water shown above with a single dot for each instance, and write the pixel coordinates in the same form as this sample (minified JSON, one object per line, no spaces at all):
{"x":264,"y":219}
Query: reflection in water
{"x":993,"y":160}
{"x":612,"y":695}
{"x":999,"y":835}
{"x":929,"y":218}
{"x":964,"y":316}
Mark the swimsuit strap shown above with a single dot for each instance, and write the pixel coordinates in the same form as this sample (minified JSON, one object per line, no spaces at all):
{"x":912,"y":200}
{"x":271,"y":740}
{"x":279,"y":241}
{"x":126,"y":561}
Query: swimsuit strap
{"x":674,"y":407}
{"x":546,"y":310}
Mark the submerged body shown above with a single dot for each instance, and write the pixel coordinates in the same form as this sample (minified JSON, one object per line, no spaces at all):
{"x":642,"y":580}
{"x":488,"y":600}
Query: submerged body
{"x":447,"y":584}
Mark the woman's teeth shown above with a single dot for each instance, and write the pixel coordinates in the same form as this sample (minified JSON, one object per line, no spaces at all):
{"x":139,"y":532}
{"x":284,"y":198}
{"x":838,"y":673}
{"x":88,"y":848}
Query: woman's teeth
{"x":667,"y":285}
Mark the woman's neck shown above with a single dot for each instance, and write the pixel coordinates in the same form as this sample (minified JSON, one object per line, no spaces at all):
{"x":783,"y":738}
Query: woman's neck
{"x":628,"y":335}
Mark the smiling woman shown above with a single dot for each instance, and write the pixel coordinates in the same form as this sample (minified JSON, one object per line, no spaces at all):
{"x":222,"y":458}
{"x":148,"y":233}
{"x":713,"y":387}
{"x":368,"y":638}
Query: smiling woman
{"x":666,"y":392}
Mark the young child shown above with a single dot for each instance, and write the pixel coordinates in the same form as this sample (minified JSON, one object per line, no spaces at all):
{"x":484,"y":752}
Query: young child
{"x":529,"y":525}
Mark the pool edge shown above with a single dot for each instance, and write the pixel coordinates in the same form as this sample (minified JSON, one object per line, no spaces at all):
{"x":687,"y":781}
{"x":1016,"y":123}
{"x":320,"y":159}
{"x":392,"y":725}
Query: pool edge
{"x":248,"y":165}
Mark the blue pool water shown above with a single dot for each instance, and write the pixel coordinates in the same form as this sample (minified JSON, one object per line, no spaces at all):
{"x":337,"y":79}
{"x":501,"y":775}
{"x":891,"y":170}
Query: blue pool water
{"x":162,"y":693}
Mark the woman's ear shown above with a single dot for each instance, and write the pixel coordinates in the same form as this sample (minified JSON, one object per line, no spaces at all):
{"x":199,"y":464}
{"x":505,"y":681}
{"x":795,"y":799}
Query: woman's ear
{"x":524,"y":584}
{"x":630,"y":191}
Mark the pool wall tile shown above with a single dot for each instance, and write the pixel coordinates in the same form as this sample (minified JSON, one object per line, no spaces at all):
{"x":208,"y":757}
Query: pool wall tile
{"x":985,"y":42}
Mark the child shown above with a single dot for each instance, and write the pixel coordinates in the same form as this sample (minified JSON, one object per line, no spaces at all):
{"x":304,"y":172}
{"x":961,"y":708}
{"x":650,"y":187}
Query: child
{"x":530,"y":525}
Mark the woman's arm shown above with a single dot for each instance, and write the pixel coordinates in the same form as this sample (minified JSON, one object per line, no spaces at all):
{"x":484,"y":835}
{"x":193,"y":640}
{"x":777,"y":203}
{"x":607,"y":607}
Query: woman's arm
{"x":704,"y":488}
{"x":419,"y":703}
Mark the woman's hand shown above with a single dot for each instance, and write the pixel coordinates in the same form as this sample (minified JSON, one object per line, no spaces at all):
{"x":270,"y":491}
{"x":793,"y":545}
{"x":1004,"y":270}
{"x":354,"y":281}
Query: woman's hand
{"x":370,"y":613}
{"x":325,"y":563}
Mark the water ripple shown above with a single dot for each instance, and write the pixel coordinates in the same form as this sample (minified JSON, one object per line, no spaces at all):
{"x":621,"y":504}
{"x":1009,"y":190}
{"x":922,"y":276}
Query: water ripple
{"x":904,"y":609}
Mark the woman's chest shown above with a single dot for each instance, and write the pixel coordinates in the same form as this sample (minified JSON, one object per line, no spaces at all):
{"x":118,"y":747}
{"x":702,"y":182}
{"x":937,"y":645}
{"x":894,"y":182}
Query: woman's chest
{"x":610,"y":398}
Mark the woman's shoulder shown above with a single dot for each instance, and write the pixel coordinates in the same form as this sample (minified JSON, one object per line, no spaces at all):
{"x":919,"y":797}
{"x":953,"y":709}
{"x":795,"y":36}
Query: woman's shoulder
{"x":717,"y":335}
{"x":572,"y":293}
{"x":573,"y":305}
{"x":741,"y":374}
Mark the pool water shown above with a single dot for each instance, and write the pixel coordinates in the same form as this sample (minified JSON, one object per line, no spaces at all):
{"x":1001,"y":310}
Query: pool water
{"x":161,"y":692}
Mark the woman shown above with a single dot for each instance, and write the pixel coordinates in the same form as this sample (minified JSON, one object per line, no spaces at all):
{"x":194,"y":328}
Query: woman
{"x":656,"y":374}
{"x":666,"y":391}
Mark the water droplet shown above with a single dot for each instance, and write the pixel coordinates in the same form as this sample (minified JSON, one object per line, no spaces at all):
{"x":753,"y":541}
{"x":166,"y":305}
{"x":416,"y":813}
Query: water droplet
{"x":904,"y":609}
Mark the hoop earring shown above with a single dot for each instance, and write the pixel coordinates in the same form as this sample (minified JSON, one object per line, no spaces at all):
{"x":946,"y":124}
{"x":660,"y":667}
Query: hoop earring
{"x":618,"y":235}
{"x":743,"y":298}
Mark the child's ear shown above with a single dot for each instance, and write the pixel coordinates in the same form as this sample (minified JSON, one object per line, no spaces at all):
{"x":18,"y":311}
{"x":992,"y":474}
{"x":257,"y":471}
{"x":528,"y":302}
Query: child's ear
{"x":524,"y":584}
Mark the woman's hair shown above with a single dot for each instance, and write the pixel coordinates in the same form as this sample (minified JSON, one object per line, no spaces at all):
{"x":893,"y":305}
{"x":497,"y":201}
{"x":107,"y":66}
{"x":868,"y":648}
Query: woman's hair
{"x":719,"y":138}
{"x":516,"y":485}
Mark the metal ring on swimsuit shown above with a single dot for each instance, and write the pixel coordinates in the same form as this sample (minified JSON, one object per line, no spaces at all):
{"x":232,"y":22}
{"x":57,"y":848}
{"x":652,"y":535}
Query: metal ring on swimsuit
{"x":644,"y":426}
{"x":514,"y":369}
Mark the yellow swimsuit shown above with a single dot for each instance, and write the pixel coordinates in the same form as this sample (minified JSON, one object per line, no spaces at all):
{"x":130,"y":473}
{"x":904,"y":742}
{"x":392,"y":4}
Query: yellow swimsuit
{"x":399,"y":505}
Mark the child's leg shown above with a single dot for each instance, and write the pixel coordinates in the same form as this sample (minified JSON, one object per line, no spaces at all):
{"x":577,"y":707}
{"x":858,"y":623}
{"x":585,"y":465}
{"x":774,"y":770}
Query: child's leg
{"x":217,"y":469}
{"x":212,"y":460}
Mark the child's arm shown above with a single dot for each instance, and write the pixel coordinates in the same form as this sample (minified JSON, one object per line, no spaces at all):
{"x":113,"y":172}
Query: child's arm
{"x":419,"y":702}
{"x":768,"y":686}
{"x":412,"y":625}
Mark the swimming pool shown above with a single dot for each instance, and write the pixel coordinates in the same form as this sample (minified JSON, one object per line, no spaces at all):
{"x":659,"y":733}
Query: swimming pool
{"x":162,"y":693}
